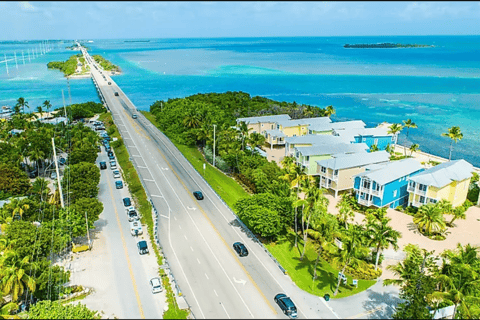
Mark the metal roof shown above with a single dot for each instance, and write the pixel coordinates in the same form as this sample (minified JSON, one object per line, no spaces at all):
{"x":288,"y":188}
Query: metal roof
{"x":275,"y":133}
{"x":314,"y":139}
{"x":386,"y":172}
{"x":307,"y":121}
{"x":444,"y":173}
{"x":270,"y":118}
{"x":354,"y":160}
{"x":334,"y":148}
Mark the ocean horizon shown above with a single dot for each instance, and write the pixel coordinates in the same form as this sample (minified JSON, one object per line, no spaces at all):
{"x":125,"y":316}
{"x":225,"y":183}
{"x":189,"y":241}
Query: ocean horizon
{"x":436,"y":87}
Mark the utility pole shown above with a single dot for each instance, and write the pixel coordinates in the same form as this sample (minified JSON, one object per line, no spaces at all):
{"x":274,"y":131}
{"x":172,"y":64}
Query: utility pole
{"x":69,"y":93}
{"x":64,"y":108}
{"x":58,"y":174}
{"x":214,"y":126}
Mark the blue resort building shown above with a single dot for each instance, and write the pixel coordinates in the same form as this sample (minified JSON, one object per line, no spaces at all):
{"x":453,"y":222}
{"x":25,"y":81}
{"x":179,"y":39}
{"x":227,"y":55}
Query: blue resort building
{"x":385,"y":184}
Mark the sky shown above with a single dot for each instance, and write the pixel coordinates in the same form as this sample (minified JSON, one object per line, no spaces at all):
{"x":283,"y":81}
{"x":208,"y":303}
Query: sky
{"x":210,"y":19}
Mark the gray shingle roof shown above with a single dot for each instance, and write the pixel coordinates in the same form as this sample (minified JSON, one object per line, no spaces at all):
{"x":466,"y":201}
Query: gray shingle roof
{"x":387,"y":172}
{"x":314,"y":139}
{"x":344,"y":125}
{"x":335,"y":148}
{"x":271,"y":118}
{"x":309,"y":121}
{"x":444,"y":173}
{"x":355,"y":160}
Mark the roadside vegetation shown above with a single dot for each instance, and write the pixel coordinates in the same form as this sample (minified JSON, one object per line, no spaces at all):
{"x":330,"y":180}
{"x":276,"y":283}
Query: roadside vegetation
{"x":67,"y":67}
{"x":105,"y":64}
{"x":145,"y":208}
{"x":35,"y":228}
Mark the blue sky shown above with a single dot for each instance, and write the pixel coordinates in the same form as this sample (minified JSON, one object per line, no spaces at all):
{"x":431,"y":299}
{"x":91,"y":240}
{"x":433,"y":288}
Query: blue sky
{"x":104,"y":20}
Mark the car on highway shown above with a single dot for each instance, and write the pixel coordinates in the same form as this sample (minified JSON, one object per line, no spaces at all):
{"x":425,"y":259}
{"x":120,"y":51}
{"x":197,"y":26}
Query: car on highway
{"x":116,"y":94}
{"x":142,"y":247}
{"x":109,"y":83}
{"x":198,"y":195}
{"x":103,"y":165}
{"x":286,"y":304}
{"x":113,"y":164}
{"x":134,"y":116}
{"x":119,"y":184}
{"x":135,"y":228}
{"x":132,"y":214}
{"x":127,"y":202}
{"x":240,"y":249}
{"x":116,"y":174}
{"x":156,"y":285}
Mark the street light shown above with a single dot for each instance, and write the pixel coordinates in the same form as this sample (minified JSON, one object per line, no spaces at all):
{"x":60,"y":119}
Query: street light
{"x":214,"y":126}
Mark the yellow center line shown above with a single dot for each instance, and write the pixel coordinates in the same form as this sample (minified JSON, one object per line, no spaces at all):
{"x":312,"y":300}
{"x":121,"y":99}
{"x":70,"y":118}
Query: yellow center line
{"x":365,"y":313}
{"x":126,"y":254}
{"x":223,"y":240}
{"x":135,"y":125}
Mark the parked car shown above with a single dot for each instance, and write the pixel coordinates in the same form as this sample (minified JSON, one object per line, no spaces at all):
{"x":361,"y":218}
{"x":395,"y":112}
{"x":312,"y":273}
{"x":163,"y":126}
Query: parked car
{"x":135,"y":228}
{"x":127,"y":202}
{"x":53,"y":175}
{"x":113,"y":164}
{"x":119,"y":184}
{"x":240,"y":249}
{"x":116,"y":174}
{"x":111,"y":156}
{"x":156,"y":285}
{"x":103,"y":165}
{"x":198,"y":195}
{"x":287,"y":305}
{"x":108,"y":148}
{"x":142,"y":247}
{"x":62,"y":161}
{"x":132,"y":214}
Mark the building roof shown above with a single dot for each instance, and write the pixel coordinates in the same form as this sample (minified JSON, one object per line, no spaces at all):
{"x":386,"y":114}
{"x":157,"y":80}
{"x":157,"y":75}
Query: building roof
{"x":383,"y":173}
{"x":345,"y":125}
{"x":444,"y":173}
{"x":354,"y":160}
{"x":305,"y":121}
{"x":275,"y":133}
{"x":314,"y":139}
{"x":334,"y":148}
{"x":270,"y":118}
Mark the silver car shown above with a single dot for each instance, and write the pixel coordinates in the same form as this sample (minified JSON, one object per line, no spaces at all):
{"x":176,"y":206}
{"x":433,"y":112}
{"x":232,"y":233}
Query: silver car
{"x":116,"y":174}
{"x":156,"y":285}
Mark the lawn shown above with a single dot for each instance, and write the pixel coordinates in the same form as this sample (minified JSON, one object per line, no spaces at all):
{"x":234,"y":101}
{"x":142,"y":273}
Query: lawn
{"x":301,"y":272}
{"x":283,"y":250}
{"x":227,"y":188}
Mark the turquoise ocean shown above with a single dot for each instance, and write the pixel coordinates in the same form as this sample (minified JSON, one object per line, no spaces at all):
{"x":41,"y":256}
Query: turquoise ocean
{"x":436,"y":87}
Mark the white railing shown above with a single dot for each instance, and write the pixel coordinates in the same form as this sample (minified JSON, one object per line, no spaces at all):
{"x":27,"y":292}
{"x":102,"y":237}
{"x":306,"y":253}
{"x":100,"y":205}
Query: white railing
{"x":325,"y":184}
{"x":365,"y":202}
{"x":370,"y":191}
{"x":329,"y":176}
{"x":416,"y":190}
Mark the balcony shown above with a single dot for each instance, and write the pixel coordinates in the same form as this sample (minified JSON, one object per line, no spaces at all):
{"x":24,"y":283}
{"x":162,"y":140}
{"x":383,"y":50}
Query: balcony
{"x":417,"y":204}
{"x":370,"y":191}
{"x":416,"y":190}
{"x":325,"y":184}
{"x":328,"y":176}
{"x":365,"y":202}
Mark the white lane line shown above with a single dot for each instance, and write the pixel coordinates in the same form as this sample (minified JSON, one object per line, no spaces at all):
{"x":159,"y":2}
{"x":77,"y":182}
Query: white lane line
{"x":142,"y":167}
{"x":136,"y":155}
{"x":149,"y":179}
{"x":215,"y":292}
{"x":198,"y":261}
{"x":208,"y":246}
{"x":164,"y":216}
{"x":191,"y":249}
{"x":207,"y":276}
{"x":154,"y":195}
{"x":185,"y":237}
{"x":175,"y":218}
{"x":329,"y":308}
{"x":225,"y":310}
{"x":180,"y":226}
{"x":132,"y":147}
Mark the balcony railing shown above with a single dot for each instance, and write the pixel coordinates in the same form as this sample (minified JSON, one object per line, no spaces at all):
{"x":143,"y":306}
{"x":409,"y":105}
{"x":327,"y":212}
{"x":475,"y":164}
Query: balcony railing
{"x":365,"y":202}
{"x":329,"y":176}
{"x":416,"y":190}
{"x":370,"y":191}
{"x":325,"y":184}
{"x":417,"y":204}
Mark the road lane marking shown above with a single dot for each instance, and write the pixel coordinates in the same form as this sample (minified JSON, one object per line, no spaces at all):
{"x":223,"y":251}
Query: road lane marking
{"x":164,"y":216}
{"x":180,"y":226}
{"x":149,"y":179}
{"x":329,"y":308}
{"x":154,"y":195}
{"x":198,"y":261}
{"x":130,"y":269}
{"x":191,"y":249}
{"x":142,"y":167}
{"x":175,"y":218}
{"x":215,"y":292}
{"x":225,"y":311}
{"x":207,"y":276}
{"x":366,"y":313}
{"x":185,"y":237}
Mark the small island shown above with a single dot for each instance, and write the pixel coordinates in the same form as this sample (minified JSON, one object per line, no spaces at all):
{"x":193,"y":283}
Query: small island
{"x":386,"y":45}
{"x":76,"y":66}
{"x":105,"y":64}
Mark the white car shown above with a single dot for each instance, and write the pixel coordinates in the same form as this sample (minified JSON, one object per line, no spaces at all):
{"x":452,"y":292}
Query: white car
{"x":132,"y":214}
{"x":113,"y":164}
{"x":116,"y":174}
{"x":136,"y":228}
{"x":156,"y":285}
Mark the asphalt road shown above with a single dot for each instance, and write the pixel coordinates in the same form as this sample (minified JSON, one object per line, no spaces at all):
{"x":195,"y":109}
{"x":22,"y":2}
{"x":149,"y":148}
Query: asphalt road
{"x":197,"y":236}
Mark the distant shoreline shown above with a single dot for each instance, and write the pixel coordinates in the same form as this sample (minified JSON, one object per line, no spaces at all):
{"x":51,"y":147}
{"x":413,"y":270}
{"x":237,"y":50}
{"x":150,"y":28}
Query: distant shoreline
{"x":386,"y":45}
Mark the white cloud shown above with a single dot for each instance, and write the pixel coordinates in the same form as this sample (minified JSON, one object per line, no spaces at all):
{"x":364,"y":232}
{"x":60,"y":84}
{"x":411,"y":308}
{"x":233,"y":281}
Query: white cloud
{"x":26,"y":6}
{"x":435,"y":10}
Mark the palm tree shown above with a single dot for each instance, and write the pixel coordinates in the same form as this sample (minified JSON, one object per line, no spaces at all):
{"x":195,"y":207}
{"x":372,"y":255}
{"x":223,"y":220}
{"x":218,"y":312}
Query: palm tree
{"x":430,"y":219}
{"x":395,"y":130}
{"x":374,"y":148}
{"x":381,"y":235}
{"x":414,"y":148}
{"x":329,"y":111}
{"x":6,"y":311}
{"x":458,"y":213}
{"x":256,"y":139}
{"x":243,"y":130}
{"x":47,"y":105}
{"x":408,"y":124}
{"x":22,"y":103}
{"x":352,"y":248}
{"x":14,"y":276}
{"x":191,"y":119}
{"x":345,"y":211}
{"x":454,"y":134}
{"x":40,"y":110}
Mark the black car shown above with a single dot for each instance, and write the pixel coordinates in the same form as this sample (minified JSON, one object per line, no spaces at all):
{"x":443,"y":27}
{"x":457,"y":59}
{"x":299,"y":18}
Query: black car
{"x":241,"y":249}
{"x":142,"y":247}
{"x":111,"y":156}
{"x":119,"y":184}
{"x":198,"y":195}
{"x":108,"y":148}
{"x":103,"y":165}
{"x":116,"y":94}
{"x":286,"y":304}
{"x":62,"y":161}
{"x":127,"y":202}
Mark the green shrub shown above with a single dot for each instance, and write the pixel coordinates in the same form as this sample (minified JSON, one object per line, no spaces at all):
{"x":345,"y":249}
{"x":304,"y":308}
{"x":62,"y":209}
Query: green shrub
{"x":366,"y":272}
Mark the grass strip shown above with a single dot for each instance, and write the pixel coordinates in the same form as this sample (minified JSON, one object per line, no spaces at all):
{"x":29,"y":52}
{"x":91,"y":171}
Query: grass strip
{"x":144,"y":207}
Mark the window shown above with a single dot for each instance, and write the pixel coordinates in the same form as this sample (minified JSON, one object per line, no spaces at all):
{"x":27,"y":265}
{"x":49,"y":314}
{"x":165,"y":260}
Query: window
{"x":422,"y":199}
{"x":307,"y":158}
{"x":394,"y":193}
{"x":433,"y":201}
{"x":272,"y":126}
{"x":335,"y":173}
{"x":366,"y":184}
{"x":262,"y":124}
{"x":422,"y":187}
{"x":323,"y":169}
{"x":412,"y":184}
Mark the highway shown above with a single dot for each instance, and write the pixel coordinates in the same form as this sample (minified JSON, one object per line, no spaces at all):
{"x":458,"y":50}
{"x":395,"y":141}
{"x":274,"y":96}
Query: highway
{"x":197,"y":235}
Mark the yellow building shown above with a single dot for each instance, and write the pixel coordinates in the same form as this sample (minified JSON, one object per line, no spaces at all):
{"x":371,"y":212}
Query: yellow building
{"x":448,"y":180}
